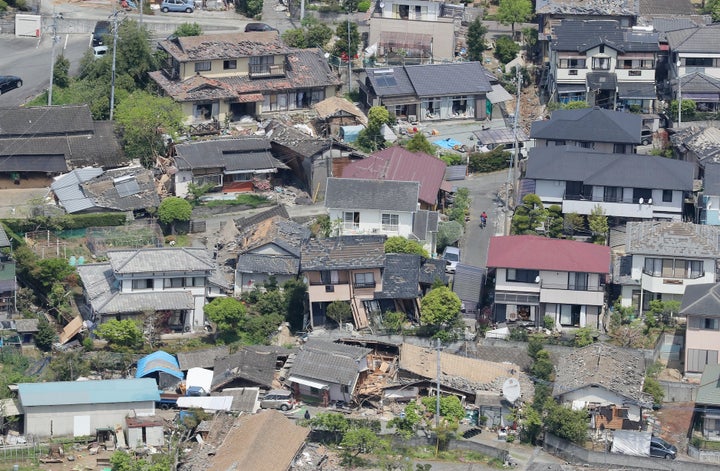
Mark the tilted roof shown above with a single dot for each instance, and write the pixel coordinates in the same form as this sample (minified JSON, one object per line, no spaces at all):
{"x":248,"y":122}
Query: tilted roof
{"x":583,"y":7}
{"x":590,"y":124}
{"x":247,"y":364}
{"x":401,"y":277}
{"x":343,"y":253}
{"x":268,"y":263}
{"x":542,"y":253}
{"x":682,"y":239}
{"x":569,"y":163}
{"x":398,"y":163}
{"x":329,"y":362}
{"x":620,"y":370}
{"x":204,"y":358}
{"x":709,"y":391}
{"x":582,"y":35}
{"x":108,"y":391}
{"x":238,"y":154}
{"x":384,"y":195}
{"x":224,"y":46}
{"x":701,"y":299}
{"x":283,"y":232}
{"x":162,"y":259}
{"x":701,"y":39}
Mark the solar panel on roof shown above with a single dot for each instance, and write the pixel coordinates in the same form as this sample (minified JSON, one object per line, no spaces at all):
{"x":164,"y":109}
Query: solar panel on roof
{"x":127,"y":187}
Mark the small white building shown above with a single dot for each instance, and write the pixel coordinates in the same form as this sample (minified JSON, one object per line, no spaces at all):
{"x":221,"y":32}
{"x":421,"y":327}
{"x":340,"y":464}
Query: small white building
{"x":78,"y":408}
{"x":144,"y":431}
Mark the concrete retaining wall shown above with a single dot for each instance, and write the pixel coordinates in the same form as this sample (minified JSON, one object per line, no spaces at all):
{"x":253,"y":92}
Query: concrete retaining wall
{"x":704,"y":456}
{"x":678,"y":392}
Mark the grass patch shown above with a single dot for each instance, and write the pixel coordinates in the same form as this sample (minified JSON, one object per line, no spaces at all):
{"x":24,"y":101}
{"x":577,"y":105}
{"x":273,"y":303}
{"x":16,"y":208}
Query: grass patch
{"x":455,"y":456}
{"x":242,"y":199}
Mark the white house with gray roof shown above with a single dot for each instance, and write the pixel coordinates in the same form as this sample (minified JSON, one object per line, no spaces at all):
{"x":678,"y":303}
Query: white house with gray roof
{"x":364,"y":206}
{"x":174,"y":283}
{"x":626,"y":186}
{"x":701,"y":308}
{"x":663,"y":258}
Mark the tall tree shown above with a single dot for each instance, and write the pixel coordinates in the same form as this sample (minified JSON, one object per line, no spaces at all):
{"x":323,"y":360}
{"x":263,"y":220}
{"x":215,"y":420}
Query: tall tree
{"x":348,"y":41}
{"x":173,"y":210}
{"x":144,"y":119}
{"x":440,"y":307}
{"x":528,"y":216}
{"x":476,"y":40}
{"x":339,"y":311}
{"x":227,"y":313}
{"x":554,"y":221}
{"x":598,"y":223}
{"x":370,"y":138}
{"x":399,"y":244}
{"x":121,"y":335}
{"x":514,"y":11}
{"x":420,"y":143}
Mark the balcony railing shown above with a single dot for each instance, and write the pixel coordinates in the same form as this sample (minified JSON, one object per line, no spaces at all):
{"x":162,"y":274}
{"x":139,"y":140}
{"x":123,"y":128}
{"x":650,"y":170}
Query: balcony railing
{"x":369,"y":284}
{"x":568,"y":287}
{"x":267,"y":70}
{"x":693,"y":276}
{"x":602,"y":199}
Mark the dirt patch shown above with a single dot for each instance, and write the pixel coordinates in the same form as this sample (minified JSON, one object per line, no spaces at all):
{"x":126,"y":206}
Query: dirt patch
{"x":675,"y":420}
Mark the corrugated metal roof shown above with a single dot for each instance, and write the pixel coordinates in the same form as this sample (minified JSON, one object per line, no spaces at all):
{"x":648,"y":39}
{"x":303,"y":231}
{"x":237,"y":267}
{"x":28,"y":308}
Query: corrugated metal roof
{"x":205,"y":402}
{"x":158,"y":361}
{"x":68,"y":191}
{"x":709,"y":390}
{"x":88,"y":392}
{"x":542,"y":253}
{"x":4,"y":240}
{"x":455,"y":173}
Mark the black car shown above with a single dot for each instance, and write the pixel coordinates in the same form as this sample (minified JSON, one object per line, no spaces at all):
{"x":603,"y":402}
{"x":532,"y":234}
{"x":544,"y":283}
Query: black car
{"x":252,"y":27}
{"x":102,"y":29}
{"x":659,"y":448}
{"x":9,"y":82}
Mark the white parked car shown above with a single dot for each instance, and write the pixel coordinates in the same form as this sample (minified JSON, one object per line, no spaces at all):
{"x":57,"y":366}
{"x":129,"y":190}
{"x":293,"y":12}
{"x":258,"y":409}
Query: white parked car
{"x":451,"y":255}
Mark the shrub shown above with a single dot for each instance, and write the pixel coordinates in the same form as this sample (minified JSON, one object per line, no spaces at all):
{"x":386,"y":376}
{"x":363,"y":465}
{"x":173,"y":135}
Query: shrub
{"x":363,"y":6}
{"x":492,"y":161}
{"x":506,"y":49}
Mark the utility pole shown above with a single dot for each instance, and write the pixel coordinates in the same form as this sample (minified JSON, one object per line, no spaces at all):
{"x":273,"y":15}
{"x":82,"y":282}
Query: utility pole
{"x":516,"y":150}
{"x":52,"y":56}
{"x":679,"y":98}
{"x":302,"y":10}
{"x":114,"y":17}
{"x":349,"y":56}
{"x":437,"y":402}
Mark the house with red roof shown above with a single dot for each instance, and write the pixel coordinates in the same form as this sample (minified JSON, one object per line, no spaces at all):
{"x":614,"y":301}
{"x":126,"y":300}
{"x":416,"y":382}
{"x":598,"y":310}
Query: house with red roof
{"x":398,"y":164}
{"x":538,"y":276}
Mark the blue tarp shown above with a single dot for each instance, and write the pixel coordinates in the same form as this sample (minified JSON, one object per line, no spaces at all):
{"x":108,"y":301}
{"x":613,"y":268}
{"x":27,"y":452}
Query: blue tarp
{"x":350,"y":133}
{"x":158,"y":362}
{"x":447,"y":143}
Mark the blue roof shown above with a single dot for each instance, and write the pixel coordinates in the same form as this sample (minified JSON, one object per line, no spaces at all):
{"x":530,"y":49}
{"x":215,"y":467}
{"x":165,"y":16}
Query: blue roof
{"x":88,"y":392}
{"x":158,"y":361}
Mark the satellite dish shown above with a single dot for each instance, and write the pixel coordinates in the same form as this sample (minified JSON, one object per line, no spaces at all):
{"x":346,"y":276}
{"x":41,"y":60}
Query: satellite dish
{"x":511,"y":390}
{"x":650,"y":201}
{"x":382,"y":4}
{"x":641,"y":200}
{"x":537,"y":279}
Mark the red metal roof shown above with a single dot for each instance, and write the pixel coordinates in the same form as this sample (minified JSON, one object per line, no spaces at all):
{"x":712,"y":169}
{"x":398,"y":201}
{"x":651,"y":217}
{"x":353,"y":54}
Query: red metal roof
{"x":542,"y":253}
{"x":398,"y":164}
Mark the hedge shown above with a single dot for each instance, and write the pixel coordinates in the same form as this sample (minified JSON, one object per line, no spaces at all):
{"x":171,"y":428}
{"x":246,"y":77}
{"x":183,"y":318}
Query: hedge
{"x":68,"y":221}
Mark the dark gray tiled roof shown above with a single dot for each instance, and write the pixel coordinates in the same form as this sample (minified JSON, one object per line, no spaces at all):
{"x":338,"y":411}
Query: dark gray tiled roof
{"x":27,"y":325}
{"x":665,"y":25}
{"x":244,"y":399}
{"x":432,"y":269}
{"x":697,"y":82}
{"x":38,"y":121}
{"x":456,"y":78}
{"x":703,"y":141}
{"x":620,"y":370}
{"x":246,"y":364}
{"x":566,"y":163}
{"x":702,"y":39}
{"x":204,"y":358}
{"x":267,"y":263}
{"x":400,"y":279}
{"x":343,"y":253}
{"x":328,"y":362}
{"x":711,"y":181}
{"x":239,"y":154}
{"x":278,"y":210}
{"x":666,"y":7}
{"x":583,"y":7}
{"x":357,"y":194}
{"x":579,"y":36}
{"x":158,"y":260}
{"x":681,"y":239}
{"x":702,"y":299}
{"x":398,"y":85}
{"x":590,"y":124}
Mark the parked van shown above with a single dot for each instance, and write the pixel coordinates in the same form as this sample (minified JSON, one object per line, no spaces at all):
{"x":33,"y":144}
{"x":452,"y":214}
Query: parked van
{"x":278,"y":399}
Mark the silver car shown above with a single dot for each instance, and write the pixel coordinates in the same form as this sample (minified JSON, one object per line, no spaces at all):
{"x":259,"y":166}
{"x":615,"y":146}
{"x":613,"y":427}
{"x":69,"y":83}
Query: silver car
{"x":278,"y":399}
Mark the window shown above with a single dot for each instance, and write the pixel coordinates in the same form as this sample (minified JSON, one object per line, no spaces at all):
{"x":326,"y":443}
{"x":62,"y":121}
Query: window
{"x":695,"y":269}
{"x":634,"y":73}
{"x":522,"y":276}
{"x":578,"y":281}
{"x":601,"y":63}
{"x":667,"y":196}
{"x":569,"y":314}
{"x":698,"y":62}
{"x":174,"y":282}
{"x":559,"y":143}
{"x":364,"y":280}
{"x":586,"y":145}
{"x":230,"y":64}
{"x":572,"y":72}
{"x":619,"y":148}
{"x":390,"y":222}
{"x":612,"y":194}
{"x":653,"y":266}
{"x":345,"y":388}
{"x":697,"y":359}
{"x":602,"y":49}
{"x":351,"y":220}
{"x":574,"y":63}
{"x":142,"y":284}
{"x":641,"y":193}
{"x":711,"y":323}
{"x":203,"y":66}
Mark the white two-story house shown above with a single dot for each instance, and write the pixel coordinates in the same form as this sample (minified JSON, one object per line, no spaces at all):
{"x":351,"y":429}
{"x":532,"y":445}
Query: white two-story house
{"x":538,"y":276}
{"x":663,"y":258}
{"x":603,"y":63}
{"x":172,"y":283}
{"x":626,"y":186}
{"x":701,"y":309}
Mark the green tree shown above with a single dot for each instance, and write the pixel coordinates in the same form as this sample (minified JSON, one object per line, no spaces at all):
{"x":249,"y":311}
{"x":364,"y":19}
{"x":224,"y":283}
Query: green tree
{"x":542,"y":368}
{"x":68,"y":366}
{"x":576,"y":105}
{"x":584,"y":336}
{"x":188,"y":29}
{"x":652,"y":386}
{"x":514,"y":11}
{"x":452,"y":159}
{"x":227,"y":313}
{"x":536,"y":342}
{"x":406,"y":426}
{"x":295,"y":37}
{"x":688,"y":108}
{"x":361,"y":440}
{"x":531,"y":425}
{"x":259,"y":329}
{"x":399,"y":244}
{"x":662,"y":311}
{"x":712,"y":7}
{"x":173,"y":210}
{"x":530,"y":37}
{"x":420,"y":143}
{"x":333,"y":422}
{"x":249,"y":8}
{"x":506,"y":49}
{"x":566,"y":423}
{"x":555,"y":221}
{"x":528,"y":216}
{"x":598,"y":223}
{"x":339,"y":311}
{"x":485,"y":162}
{"x":61,"y":72}
{"x":121,"y":335}
{"x":370,"y":138}
{"x":393,"y":321}
{"x":476,"y":40}
{"x":342,"y":46}
{"x":573,"y":223}
{"x":295,"y":292}
{"x":49,"y":271}
{"x":449,"y":232}
{"x":45,"y":336}
{"x":317,"y":34}
{"x":440,"y":307}
{"x":451,"y":409}
{"x":144,"y":119}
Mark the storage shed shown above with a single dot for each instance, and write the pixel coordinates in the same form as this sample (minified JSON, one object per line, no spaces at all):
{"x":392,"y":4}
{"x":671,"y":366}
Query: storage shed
{"x":144,"y":431}
{"x":78,"y":408}
{"x":162,"y":366}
